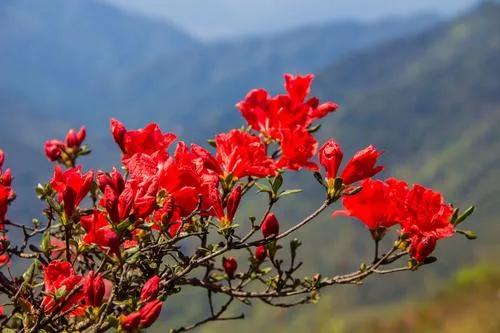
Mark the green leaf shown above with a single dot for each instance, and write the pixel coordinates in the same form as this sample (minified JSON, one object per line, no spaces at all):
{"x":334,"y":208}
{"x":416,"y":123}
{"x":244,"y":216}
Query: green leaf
{"x":277,"y":182}
{"x":465,"y":215}
{"x":289,"y":192}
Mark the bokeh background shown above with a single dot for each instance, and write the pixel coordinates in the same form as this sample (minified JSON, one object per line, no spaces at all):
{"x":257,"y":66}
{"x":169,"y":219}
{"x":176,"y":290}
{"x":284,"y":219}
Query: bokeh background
{"x":419,"y":79}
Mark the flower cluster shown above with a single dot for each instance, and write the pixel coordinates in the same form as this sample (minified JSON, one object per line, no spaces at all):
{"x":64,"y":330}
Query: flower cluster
{"x":111,"y":252}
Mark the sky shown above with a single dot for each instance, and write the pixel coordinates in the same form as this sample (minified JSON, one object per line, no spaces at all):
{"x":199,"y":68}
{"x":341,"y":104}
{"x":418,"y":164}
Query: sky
{"x":223,"y":19}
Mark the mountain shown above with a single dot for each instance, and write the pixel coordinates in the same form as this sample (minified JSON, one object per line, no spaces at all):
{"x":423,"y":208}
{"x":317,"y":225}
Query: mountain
{"x":214,"y":78}
{"x":431,"y":102}
{"x":59,"y":53}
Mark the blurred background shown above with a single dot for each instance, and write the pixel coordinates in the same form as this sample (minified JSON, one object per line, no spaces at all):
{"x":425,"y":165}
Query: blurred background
{"x":419,"y":79}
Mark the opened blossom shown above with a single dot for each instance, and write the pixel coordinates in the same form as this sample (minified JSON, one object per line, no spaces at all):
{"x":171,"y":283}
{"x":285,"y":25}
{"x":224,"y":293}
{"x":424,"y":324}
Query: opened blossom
{"x":100,"y":232}
{"x":71,"y":186}
{"x":298,"y":147}
{"x":147,"y":140}
{"x":271,"y":115}
{"x":238,"y":154}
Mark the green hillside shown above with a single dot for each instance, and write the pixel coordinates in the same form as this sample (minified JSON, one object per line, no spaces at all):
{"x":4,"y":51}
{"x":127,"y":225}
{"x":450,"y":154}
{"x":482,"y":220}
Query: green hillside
{"x":432,"y":103}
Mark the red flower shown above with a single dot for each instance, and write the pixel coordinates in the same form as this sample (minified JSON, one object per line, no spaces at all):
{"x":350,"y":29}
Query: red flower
{"x":362,"y":165}
{"x":130,"y":321}
{"x":427,"y":214}
{"x":422,"y":247}
{"x":99,"y":232}
{"x":147,"y":140}
{"x":72,"y":186}
{"x":375,"y":205}
{"x":239,"y":154}
{"x":75,"y":139}
{"x":270,"y":226}
{"x":4,"y":203}
{"x":150,"y":289}
{"x":230,"y":266}
{"x":60,"y":280}
{"x":260,"y":253}
{"x":53,"y":149}
{"x":4,"y":255}
{"x":231,"y":204}
{"x":114,"y":180}
{"x":93,"y":289}
{"x":149,"y":313}
{"x":330,"y":157}
{"x":298,"y":146}
{"x":271,"y":115}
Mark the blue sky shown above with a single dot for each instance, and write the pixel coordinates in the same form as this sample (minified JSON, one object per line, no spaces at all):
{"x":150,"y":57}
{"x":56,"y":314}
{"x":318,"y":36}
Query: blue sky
{"x":219,"y":19}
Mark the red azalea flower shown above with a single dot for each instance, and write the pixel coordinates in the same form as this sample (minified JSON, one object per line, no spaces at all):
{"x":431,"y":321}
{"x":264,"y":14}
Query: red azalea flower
{"x":93,"y":288}
{"x":298,"y":146}
{"x":53,"y":149}
{"x":239,"y":154}
{"x":231,"y":204}
{"x":362,"y":165}
{"x":230,"y":266}
{"x":130,"y":321}
{"x":422,"y":246}
{"x":270,"y":226}
{"x":60,"y":280}
{"x":270,"y":115}
{"x":150,"y":289}
{"x":260,"y":253}
{"x":376,"y":205}
{"x":4,"y":203}
{"x":149,"y":313}
{"x":75,"y":139}
{"x":72,"y":186}
{"x":427,"y":214}
{"x":147,"y":140}
{"x":99,"y":232}
{"x":330,"y":157}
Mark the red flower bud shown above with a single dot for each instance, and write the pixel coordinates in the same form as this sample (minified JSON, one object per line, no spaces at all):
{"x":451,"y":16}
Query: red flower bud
{"x":111,"y":203}
{"x":130,"y":321}
{"x":94,"y":289}
{"x":2,"y":158}
{"x":150,"y":312}
{"x":362,"y":165}
{"x":125,"y":203}
{"x":150,"y":289}
{"x":81,"y":135}
{"x":330,"y":157}
{"x":53,"y":149}
{"x":230,"y":265}
{"x":71,"y":139}
{"x":118,"y":130}
{"x":421,"y":248}
{"x":117,"y":181}
{"x":270,"y":226}
{"x":69,"y":198}
{"x":233,"y":202}
{"x":260,"y":253}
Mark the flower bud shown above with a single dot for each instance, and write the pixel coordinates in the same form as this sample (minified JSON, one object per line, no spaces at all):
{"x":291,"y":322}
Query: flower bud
{"x":53,"y":149}
{"x":69,"y":198}
{"x":270,"y":226}
{"x":2,"y":158}
{"x":150,"y":289}
{"x":233,"y":202}
{"x":118,"y":131}
{"x":111,"y":203}
{"x":125,"y":203}
{"x":71,"y":139}
{"x":362,"y":165}
{"x":117,"y":181}
{"x":94,"y":289}
{"x":130,"y":321}
{"x":421,"y":248}
{"x":260,"y":253}
{"x":230,"y":265}
{"x":149,"y":313}
{"x":81,"y":135}
{"x":330,"y":157}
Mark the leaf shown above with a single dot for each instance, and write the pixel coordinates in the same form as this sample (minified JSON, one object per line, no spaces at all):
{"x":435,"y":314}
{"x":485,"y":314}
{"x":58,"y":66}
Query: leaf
{"x":277,"y":182}
{"x":289,"y":192}
{"x":465,"y":215}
